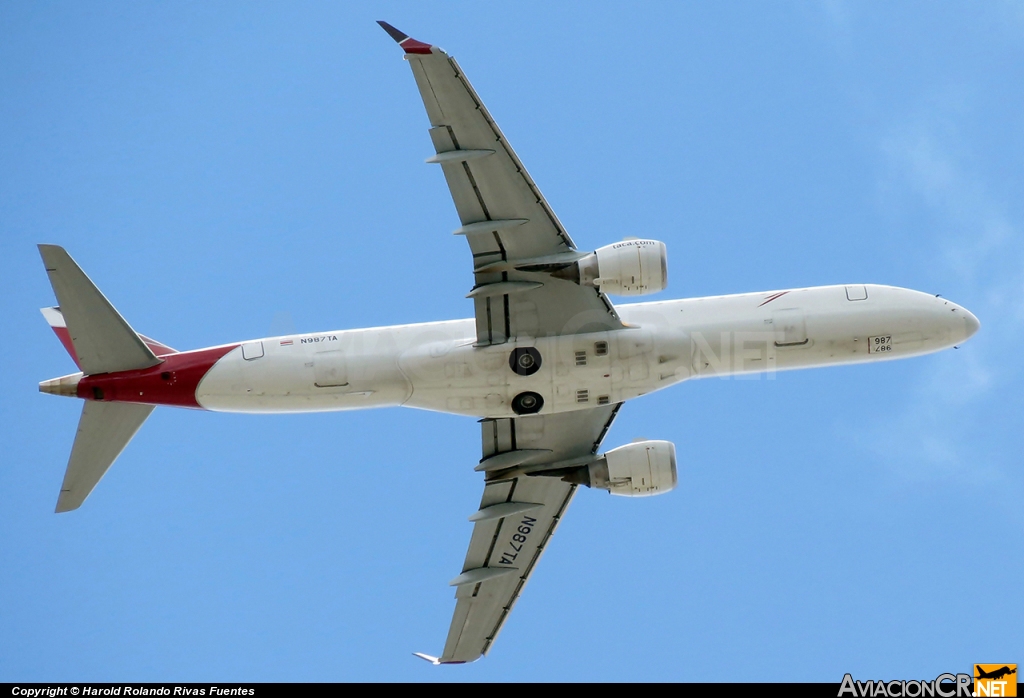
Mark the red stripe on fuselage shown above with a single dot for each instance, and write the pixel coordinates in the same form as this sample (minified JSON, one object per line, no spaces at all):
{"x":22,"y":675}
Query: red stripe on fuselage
{"x":158,"y":348}
{"x":172,"y":382}
{"x":772,"y":297}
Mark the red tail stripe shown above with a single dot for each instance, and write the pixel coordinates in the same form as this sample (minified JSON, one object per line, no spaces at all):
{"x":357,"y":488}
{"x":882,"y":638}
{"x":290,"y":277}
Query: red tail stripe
{"x":158,"y":348}
{"x":172,"y":382}
{"x":65,"y":338}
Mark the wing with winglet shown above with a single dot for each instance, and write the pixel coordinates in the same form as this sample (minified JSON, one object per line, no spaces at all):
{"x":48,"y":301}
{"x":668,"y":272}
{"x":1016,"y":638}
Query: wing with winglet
{"x":519,"y":247}
{"x":518,"y":514}
{"x":515,"y":237}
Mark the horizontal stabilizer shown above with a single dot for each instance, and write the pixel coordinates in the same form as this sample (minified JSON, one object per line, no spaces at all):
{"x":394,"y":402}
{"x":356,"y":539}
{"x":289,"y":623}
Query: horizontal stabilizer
{"x":104,"y":429}
{"x":103,"y":342}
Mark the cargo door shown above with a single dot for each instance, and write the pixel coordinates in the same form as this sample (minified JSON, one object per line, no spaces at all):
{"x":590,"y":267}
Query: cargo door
{"x":329,"y":369}
{"x":790,"y":327}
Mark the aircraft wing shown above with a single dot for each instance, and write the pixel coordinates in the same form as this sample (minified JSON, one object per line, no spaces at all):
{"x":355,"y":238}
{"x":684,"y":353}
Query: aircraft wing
{"x":515,"y":237}
{"x":518,"y":514}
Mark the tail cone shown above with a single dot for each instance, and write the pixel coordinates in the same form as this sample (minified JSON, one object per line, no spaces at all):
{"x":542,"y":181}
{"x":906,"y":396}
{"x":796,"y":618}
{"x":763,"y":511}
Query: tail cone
{"x":65,"y":385}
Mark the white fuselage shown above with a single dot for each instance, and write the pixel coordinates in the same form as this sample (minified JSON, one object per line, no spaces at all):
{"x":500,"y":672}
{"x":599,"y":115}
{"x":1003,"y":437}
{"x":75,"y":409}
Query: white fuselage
{"x":435,"y":366}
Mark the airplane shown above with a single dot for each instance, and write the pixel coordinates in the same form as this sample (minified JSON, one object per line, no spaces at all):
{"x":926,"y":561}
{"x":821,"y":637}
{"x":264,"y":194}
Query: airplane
{"x":996,"y":673}
{"x":545,"y":363}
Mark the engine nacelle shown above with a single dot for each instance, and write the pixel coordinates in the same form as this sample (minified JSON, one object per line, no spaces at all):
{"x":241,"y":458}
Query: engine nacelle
{"x":627,"y":268}
{"x":639,"y":469}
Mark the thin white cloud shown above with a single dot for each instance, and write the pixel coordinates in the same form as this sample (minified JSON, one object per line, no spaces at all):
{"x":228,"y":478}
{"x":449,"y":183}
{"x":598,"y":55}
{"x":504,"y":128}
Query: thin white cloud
{"x":939,"y":430}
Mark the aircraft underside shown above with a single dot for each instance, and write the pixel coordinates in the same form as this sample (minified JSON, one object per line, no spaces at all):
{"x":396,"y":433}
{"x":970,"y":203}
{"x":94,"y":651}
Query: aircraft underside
{"x":545,"y":363}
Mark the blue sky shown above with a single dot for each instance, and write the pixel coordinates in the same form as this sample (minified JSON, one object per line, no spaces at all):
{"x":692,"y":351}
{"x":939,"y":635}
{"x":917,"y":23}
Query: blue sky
{"x":233,"y":170}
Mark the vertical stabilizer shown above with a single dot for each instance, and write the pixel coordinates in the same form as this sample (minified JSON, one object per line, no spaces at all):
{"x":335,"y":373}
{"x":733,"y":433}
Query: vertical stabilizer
{"x":103,"y":342}
{"x":104,"y":429}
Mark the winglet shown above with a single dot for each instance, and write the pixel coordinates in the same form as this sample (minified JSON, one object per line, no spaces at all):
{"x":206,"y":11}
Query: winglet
{"x":404,"y":40}
{"x":434,"y":660}
{"x":426,"y":657}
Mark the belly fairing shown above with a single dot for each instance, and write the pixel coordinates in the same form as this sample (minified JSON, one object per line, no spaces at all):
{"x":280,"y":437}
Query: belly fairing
{"x":570,"y":373}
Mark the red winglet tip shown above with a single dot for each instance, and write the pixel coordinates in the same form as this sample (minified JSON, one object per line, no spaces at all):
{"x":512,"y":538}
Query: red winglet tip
{"x":413,"y":46}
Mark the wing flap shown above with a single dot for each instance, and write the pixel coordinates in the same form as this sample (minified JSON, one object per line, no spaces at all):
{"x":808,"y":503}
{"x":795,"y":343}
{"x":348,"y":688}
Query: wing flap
{"x":516,"y":543}
{"x":488,"y":188}
{"x":517,"y":516}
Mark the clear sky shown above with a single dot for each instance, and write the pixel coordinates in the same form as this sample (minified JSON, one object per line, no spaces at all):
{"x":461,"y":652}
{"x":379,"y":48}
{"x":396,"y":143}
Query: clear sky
{"x":225,"y":171}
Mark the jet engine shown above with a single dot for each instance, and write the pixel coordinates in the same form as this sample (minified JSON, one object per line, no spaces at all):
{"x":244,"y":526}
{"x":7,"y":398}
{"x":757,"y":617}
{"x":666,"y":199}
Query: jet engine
{"x":639,"y":469}
{"x":627,"y":268}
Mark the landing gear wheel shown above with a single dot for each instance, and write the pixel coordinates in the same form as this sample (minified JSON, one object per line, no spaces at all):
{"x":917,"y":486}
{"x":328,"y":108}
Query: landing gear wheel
{"x":527,"y":403}
{"x":524,"y":361}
